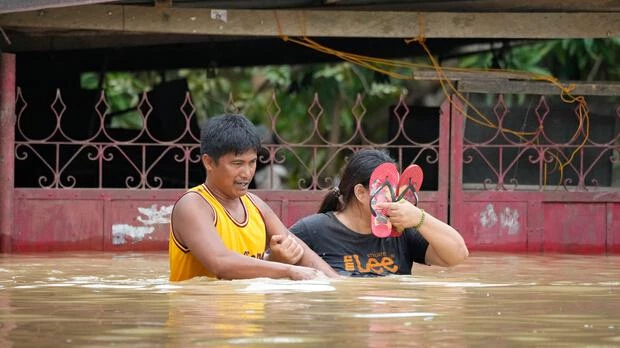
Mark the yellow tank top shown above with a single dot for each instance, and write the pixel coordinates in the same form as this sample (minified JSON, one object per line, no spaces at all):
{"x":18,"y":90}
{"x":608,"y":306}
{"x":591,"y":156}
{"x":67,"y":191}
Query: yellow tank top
{"x":246,"y":238}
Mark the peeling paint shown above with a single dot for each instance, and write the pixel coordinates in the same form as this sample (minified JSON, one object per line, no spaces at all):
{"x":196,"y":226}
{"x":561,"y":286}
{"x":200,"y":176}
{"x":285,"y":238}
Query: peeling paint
{"x":154,"y":215}
{"x":509,"y":219}
{"x":123,"y":233}
{"x":488,"y":218}
{"x":120,"y":232}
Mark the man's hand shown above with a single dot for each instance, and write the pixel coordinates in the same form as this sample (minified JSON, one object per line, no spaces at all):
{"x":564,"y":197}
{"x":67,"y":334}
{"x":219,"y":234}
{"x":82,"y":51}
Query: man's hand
{"x":305,"y":273}
{"x":285,"y":249}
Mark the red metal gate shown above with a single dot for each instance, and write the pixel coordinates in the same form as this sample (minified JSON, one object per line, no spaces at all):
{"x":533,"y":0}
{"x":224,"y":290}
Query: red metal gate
{"x":506,"y":191}
{"x":113,"y":190}
{"x":551,"y":185}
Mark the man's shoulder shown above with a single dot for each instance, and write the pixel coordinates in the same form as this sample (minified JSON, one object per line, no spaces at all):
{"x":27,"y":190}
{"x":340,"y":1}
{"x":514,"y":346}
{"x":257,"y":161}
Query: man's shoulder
{"x":191,"y":201}
{"x":255,"y":200}
{"x":188,"y":197}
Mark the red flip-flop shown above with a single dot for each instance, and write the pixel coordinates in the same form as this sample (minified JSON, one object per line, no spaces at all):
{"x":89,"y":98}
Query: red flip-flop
{"x":383,"y":180}
{"x":408,"y":187}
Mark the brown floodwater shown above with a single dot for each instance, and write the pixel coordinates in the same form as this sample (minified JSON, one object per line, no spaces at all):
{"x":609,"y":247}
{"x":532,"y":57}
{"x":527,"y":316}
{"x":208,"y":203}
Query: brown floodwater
{"x":492,"y":300}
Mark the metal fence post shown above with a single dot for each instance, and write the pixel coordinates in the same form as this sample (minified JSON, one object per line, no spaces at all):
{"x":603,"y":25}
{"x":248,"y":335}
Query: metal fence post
{"x":7,"y":153}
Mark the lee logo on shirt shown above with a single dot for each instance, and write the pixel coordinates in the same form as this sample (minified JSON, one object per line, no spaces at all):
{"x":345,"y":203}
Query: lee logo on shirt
{"x":257,"y":256}
{"x":378,"y":265}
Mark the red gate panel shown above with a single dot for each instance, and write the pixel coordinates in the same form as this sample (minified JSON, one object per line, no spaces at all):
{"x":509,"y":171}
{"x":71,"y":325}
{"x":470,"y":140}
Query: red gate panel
{"x":44,"y":223}
{"x":500,"y":208}
{"x":113,"y":189}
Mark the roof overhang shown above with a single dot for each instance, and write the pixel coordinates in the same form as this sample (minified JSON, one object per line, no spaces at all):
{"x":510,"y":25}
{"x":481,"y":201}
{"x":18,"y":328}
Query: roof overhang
{"x":317,"y":23}
{"x":193,"y":32}
{"x":12,"y":6}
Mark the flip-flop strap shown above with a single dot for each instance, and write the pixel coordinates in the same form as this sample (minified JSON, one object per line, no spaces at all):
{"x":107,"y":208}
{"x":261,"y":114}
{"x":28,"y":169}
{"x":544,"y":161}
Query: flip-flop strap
{"x":379,"y":189}
{"x":413,"y":190}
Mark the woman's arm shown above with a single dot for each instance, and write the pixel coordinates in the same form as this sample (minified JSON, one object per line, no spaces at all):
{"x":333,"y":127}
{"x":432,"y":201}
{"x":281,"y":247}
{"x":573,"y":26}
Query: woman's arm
{"x":446,"y":246}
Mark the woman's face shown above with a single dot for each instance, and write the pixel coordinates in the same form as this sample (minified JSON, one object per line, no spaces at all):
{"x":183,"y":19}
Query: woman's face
{"x":362,"y":198}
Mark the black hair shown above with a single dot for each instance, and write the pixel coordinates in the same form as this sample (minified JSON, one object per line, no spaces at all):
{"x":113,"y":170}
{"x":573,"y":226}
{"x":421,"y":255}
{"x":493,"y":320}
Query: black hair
{"x":228,"y":133}
{"x":357,"y":171}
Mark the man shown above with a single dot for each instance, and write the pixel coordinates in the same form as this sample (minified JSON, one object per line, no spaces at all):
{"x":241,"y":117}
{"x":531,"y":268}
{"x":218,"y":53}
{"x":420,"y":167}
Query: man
{"x":219,"y":229}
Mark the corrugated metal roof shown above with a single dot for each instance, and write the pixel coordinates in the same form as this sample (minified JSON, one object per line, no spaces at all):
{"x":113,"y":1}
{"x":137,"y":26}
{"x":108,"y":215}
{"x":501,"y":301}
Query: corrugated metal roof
{"x":7,"y":6}
{"x":407,"y":5}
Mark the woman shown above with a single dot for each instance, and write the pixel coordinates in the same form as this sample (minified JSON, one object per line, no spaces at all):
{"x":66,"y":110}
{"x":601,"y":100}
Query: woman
{"x":341,"y":231}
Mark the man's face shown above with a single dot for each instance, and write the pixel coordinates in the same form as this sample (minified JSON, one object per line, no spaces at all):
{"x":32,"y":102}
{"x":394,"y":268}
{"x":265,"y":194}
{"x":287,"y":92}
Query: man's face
{"x":232,"y":173}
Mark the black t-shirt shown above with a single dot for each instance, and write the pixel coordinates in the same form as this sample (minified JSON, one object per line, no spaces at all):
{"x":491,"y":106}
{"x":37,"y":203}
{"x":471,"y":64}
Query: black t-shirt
{"x":355,"y":254}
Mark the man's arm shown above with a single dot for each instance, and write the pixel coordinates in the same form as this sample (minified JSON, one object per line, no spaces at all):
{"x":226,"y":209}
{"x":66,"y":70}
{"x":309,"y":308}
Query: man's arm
{"x":274,"y":227}
{"x":192,"y":220}
{"x":284,"y":249}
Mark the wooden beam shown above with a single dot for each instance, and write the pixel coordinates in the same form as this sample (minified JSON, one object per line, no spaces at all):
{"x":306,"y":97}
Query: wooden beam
{"x":431,"y":74}
{"x":514,"y":83}
{"x":163,"y":3}
{"x":536,"y":87}
{"x":315,"y":23}
{"x":64,"y":57}
{"x":82,"y":40}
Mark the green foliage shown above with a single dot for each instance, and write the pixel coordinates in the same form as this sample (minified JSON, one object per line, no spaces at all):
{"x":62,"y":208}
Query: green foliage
{"x":250,"y":91}
{"x":336,"y":87}
{"x":566,"y":59}
{"x":123,"y":92}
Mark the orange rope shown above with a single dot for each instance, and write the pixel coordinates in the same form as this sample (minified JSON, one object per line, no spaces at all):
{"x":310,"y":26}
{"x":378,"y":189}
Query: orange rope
{"x":390,"y":68}
{"x":279,"y":26}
